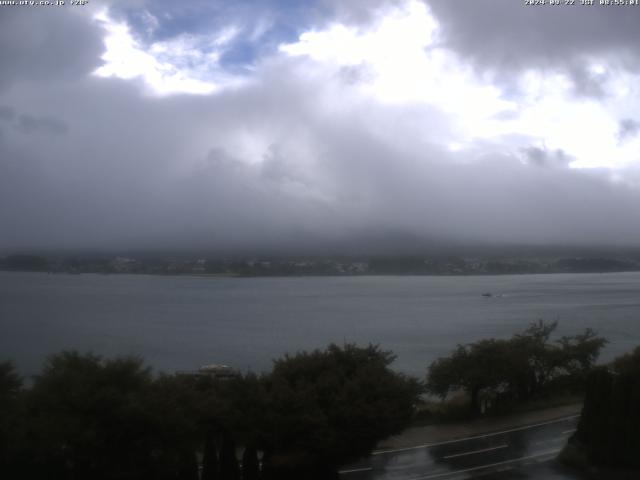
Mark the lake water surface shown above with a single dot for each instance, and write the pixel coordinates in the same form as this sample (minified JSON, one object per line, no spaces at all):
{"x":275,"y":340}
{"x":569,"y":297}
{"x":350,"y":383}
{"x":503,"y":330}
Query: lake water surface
{"x":184,"y":322}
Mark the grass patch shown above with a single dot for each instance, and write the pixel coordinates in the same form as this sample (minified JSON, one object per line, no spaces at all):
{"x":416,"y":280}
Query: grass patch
{"x":457,"y":408}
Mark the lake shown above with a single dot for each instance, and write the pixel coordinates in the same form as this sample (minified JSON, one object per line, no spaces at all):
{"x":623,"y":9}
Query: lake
{"x":182,"y":322}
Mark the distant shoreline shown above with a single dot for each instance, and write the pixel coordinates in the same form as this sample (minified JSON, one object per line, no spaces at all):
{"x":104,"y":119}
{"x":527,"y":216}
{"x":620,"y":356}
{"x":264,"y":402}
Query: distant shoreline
{"x":318,"y":275}
{"x":265,"y":266}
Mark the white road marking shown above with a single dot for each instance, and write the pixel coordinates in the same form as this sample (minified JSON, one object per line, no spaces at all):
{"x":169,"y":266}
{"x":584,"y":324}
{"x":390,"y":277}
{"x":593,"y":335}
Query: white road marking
{"x":481,"y":467}
{"x":569,"y":431}
{"x":552,"y":440}
{"x":355,"y":470}
{"x":477,"y":451}
{"x":429,"y":445}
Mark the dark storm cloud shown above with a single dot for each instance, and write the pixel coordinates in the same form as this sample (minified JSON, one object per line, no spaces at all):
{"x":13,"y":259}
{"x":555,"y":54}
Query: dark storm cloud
{"x":586,"y":82}
{"x":279,"y":161}
{"x":29,"y":124}
{"x":508,"y":36}
{"x":543,"y":157}
{"x":628,"y":128}
{"x":168,"y":175}
{"x":46,"y":44}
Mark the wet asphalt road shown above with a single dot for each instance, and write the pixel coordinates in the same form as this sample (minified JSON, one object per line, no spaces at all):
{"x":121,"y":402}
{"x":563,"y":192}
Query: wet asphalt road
{"x":522,"y":452}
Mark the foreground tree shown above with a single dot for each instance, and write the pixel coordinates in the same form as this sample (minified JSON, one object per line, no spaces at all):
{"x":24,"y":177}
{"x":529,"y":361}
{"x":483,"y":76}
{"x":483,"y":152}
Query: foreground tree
{"x":89,"y":417}
{"x":519,"y":368}
{"x":210,"y":468}
{"x":608,"y":429}
{"x":229,"y":469}
{"x":473,"y":368}
{"x":332,"y":406}
{"x":10,"y":419}
{"x":108,"y":419}
{"x":250,"y":464}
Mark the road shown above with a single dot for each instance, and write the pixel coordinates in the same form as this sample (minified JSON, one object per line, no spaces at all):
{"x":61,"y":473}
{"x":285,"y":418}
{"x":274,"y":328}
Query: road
{"x":492,"y":455}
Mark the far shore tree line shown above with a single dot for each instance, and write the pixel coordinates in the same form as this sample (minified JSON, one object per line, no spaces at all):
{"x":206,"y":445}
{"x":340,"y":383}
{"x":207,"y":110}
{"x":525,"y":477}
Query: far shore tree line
{"x":295,"y":265}
{"x":88,"y":417}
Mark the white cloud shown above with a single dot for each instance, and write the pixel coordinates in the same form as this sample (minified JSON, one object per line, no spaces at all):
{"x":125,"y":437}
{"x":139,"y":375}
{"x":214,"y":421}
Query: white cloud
{"x":349,"y":129}
{"x":405,"y":64}
{"x":184,"y":64}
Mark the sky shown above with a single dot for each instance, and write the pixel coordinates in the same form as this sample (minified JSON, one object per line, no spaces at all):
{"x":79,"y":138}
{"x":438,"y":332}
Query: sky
{"x":279,"y":123}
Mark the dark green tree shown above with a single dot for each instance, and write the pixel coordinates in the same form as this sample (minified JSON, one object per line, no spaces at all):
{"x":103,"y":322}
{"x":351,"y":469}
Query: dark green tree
{"x":82,"y":411}
{"x":518,"y":368}
{"x":533,"y":358}
{"x":229,"y":469}
{"x":250,"y":464}
{"x":332,"y":406}
{"x":108,"y":419}
{"x":10,"y":383}
{"x":188,"y":468}
{"x":11,"y":419}
{"x":474,"y":368}
{"x":172,"y":408}
{"x":210,"y":466}
{"x":90,"y":417}
{"x":579,"y":353}
{"x":608,"y":428}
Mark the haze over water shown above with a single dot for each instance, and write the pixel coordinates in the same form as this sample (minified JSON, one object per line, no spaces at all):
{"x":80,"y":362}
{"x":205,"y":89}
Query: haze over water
{"x":183,"y":322}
